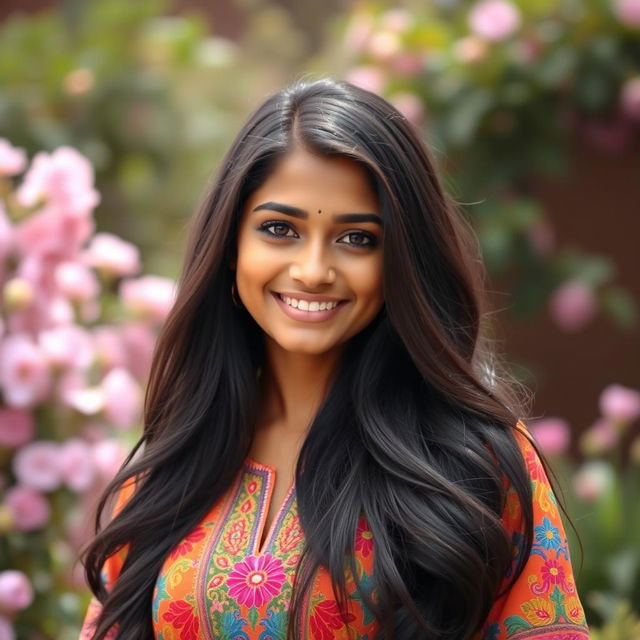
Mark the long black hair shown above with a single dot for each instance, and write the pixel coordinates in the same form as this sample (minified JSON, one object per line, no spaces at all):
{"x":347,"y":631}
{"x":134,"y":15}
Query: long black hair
{"x":416,"y":431}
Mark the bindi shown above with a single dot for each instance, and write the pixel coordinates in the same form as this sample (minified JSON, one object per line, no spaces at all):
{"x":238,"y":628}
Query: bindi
{"x":319,"y":210}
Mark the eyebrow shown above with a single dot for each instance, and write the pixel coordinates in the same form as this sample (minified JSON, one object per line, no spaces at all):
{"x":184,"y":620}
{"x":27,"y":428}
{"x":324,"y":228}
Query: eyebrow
{"x":301,"y":213}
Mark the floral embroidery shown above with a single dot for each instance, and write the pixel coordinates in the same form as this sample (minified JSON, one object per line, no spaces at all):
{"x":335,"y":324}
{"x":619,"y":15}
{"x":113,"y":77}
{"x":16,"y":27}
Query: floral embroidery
{"x":256,"y":580}
{"x":181,"y":615}
{"x":236,"y":537}
{"x":326,"y":619}
{"x":364,"y":538}
{"x":214,"y":585}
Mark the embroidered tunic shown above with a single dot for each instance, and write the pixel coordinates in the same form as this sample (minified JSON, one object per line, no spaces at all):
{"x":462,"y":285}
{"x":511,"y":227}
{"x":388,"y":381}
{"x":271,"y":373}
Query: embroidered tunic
{"x":218,"y":584}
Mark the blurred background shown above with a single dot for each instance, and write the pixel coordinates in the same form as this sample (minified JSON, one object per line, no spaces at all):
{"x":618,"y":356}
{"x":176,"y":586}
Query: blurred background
{"x":114,"y":116}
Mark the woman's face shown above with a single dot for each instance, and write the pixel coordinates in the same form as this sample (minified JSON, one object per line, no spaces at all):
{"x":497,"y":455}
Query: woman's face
{"x":309,"y":237}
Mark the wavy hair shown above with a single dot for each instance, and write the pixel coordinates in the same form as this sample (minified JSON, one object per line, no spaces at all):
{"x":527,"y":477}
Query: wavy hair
{"x":416,"y":431}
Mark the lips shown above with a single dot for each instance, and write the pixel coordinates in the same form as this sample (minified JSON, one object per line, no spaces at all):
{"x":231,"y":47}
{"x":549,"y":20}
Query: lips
{"x":307,"y":316}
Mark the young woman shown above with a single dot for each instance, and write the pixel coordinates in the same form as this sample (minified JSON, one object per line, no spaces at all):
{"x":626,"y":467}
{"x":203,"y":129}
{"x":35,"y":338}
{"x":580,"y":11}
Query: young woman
{"x":330,"y":449}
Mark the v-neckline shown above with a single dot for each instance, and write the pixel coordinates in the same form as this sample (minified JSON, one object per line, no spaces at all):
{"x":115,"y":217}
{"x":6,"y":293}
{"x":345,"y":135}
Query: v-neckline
{"x":262,"y":545}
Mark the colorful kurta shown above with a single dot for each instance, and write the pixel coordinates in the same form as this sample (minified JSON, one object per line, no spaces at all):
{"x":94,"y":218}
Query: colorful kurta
{"x":218,"y":583}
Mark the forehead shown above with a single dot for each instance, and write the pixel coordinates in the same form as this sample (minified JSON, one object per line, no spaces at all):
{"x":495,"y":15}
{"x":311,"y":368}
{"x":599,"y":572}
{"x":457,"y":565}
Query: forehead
{"x":312,"y":181}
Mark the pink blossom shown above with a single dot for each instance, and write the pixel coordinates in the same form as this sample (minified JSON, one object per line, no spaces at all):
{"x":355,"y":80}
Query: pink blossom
{"x":76,"y":465}
{"x":542,"y":237}
{"x":76,"y":281}
{"x":572,"y":305}
{"x":409,"y":105}
{"x":58,"y":235}
{"x":16,"y":427}
{"x":494,"y":20}
{"x":149,"y":297}
{"x":6,"y":630}
{"x":68,"y":346}
{"x":367,"y":77}
{"x":470,"y":49}
{"x":397,"y":20}
{"x":64,"y":179}
{"x":108,"y":456}
{"x":109,"y":347}
{"x":630,"y":97}
{"x":36,"y":465}
{"x":358,"y":32}
{"x":628,"y":12}
{"x":383,"y":45}
{"x":30,"y":509}
{"x":552,"y":434}
{"x":25,"y":377}
{"x":593,"y":480}
{"x":139,"y":341}
{"x":16,"y":592}
{"x":122,"y":398}
{"x":86,"y":400}
{"x":112,"y":255}
{"x":407,"y":64}
{"x":602,"y":436}
{"x":13,"y":160}
{"x":256,"y":580}
{"x":620,"y":403}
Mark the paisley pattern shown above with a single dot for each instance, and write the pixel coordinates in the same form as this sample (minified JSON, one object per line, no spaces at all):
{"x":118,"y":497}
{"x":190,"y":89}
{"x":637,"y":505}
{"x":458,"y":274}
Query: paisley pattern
{"x":218,"y":584}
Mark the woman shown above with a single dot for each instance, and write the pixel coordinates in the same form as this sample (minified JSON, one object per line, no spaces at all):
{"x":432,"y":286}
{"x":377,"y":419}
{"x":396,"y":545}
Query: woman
{"x":329,"y":451}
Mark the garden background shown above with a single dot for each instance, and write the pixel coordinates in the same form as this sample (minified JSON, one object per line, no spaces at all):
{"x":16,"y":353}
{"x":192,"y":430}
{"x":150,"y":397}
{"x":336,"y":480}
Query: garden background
{"x":113,"y":117}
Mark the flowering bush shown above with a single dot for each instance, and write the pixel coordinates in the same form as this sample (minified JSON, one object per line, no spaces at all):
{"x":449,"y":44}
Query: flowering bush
{"x":603,"y":502}
{"x":77,"y":331}
{"x":503,"y":89}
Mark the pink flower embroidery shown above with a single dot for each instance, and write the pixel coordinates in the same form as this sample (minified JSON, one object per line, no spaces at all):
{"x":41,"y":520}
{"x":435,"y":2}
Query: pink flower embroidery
{"x":551,"y":572}
{"x":256,"y":580}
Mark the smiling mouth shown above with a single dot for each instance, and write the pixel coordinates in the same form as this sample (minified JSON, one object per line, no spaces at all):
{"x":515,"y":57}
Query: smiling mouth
{"x":311,"y":306}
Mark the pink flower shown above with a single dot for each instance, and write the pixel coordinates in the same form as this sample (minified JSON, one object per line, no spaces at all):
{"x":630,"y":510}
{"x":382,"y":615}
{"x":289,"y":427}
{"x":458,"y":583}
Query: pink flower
{"x":149,"y":297}
{"x":6,"y":629}
{"x":383,"y":45}
{"x":397,"y":20}
{"x":256,"y":580}
{"x":57,"y":235}
{"x":494,"y":20}
{"x":470,"y":49}
{"x":16,"y":592}
{"x":620,"y":403}
{"x":36,"y":465}
{"x":12,"y":159}
{"x":76,"y":465}
{"x":113,"y":255}
{"x":109,"y":347}
{"x":108,"y":456}
{"x":542,"y":237}
{"x":409,"y":105}
{"x":572,"y":305}
{"x":601,"y":437}
{"x":25,"y":377}
{"x":358,"y":32}
{"x":139,"y":341}
{"x":16,"y":427}
{"x":593,"y":480}
{"x":30,"y":509}
{"x":64,"y":179}
{"x":122,"y":398}
{"x":552,"y":434}
{"x":68,"y":346}
{"x":630,"y":97}
{"x":76,"y":281}
{"x":628,"y":12}
{"x":368,"y":78}
{"x":613,"y":135}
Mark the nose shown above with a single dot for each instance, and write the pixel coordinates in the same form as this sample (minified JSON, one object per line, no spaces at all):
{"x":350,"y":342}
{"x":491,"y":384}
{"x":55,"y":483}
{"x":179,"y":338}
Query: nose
{"x":312,"y":267}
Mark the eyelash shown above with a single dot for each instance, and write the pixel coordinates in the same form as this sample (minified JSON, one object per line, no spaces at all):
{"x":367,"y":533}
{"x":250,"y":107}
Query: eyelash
{"x":263,"y":228}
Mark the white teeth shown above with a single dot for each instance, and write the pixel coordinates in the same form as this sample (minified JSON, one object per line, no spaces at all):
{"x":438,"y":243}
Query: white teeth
{"x":305,"y":305}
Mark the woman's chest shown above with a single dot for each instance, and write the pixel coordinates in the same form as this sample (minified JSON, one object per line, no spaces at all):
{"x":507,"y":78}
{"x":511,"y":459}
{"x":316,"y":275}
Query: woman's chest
{"x":223,"y":581}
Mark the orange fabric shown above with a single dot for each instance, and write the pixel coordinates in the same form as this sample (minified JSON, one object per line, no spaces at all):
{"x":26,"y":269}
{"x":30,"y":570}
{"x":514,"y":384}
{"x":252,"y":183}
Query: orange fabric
{"x":218,"y":584}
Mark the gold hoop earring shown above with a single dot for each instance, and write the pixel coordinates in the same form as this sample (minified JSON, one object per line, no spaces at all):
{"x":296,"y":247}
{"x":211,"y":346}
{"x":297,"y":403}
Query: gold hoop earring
{"x":234,"y":296}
